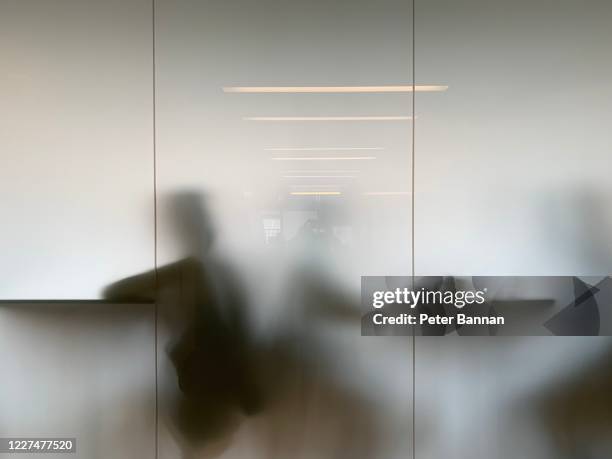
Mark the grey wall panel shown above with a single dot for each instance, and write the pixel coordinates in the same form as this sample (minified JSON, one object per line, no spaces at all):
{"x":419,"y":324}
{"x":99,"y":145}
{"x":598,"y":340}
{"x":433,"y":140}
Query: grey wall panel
{"x":79,"y":370}
{"x":512,"y":178}
{"x":75,"y":146}
{"x":514,"y":160}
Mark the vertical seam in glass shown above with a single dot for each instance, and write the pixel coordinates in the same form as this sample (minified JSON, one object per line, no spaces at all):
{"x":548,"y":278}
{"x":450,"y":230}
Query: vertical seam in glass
{"x":156,"y":280}
{"x":412,"y":226}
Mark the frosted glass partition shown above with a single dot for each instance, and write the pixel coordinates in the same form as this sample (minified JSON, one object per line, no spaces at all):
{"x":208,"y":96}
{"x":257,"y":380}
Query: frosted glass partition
{"x":513,"y":164}
{"x":79,"y":370}
{"x":76,"y":205}
{"x":512,"y":178}
{"x":284,"y":140}
{"x":283,"y":113}
{"x":283,"y":172}
{"x":504,"y":397}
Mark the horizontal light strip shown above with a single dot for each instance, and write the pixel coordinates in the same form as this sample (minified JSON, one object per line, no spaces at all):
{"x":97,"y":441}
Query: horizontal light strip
{"x":315,"y":193}
{"x":323,"y":158}
{"x":327,"y":118}
{"x":323,"y":148}
{"x":321,"y":171}
{"x":331,"y":89}
{"x":386,"y":193}
{"x":315,"y":186}
{"x":319,"y":176}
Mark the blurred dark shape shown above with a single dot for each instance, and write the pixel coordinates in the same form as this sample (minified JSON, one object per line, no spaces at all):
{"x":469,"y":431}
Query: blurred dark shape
{"x":209,"y":339}
{"x":320,"y":298}
{"x":578,"y":412}
{"x":310,"y":412}
{"x":316,"y":234}
{"x":225,"y":373}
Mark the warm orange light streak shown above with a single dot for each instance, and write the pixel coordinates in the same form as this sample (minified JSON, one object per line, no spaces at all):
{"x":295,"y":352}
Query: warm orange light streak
{"x":332,"y":89}
{"x":315,"y":193}
{"x":323,"y":148}
{"x":328,"y":118}
{"x":323,"y":158}
{"x":319,"y":176}
{"x":386,"y":193}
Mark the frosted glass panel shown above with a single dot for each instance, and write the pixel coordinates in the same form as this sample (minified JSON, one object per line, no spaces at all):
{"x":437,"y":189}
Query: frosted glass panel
{"x":85,"y":371}
{"x":538,"y":397}
{"x":284,"y":140}
{"x":232,"y":125}
{"x":76,"y":146}
{"x":514,"y":161}
{"x":513,"y":178}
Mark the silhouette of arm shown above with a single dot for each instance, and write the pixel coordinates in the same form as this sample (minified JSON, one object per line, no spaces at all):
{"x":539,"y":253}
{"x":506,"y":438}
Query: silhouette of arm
{"x":143,"y":287}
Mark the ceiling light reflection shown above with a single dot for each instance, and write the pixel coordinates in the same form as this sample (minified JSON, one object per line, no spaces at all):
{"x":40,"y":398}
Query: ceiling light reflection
{"x":315,"y":193}
{"x":323,"y":148}
{"x":386,"y":193}
{"x":323,"y":158}
{"x":333,"y":89}
{"x":327,"y":118}
{"x":319,"y":176}
{"x":321,"y":171}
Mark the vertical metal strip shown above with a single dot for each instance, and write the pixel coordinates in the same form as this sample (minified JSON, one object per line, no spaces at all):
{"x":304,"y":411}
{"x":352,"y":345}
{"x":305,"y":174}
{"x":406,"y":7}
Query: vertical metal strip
{"x":412,"y":225}
{"x":155,"y":267}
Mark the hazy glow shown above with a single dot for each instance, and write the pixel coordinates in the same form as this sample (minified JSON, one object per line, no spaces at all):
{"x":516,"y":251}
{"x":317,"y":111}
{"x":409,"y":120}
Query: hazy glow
{"x":323,"y":148}
{"x":318,"y":185}
{"x":324,"y":158}
{"x":331,"y":89}
{"x":319,"y":176}
{"x":386,"y":193}
{"x":327,"y":118}
{"x":322,"y":171}
{"x":315,"y":193}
